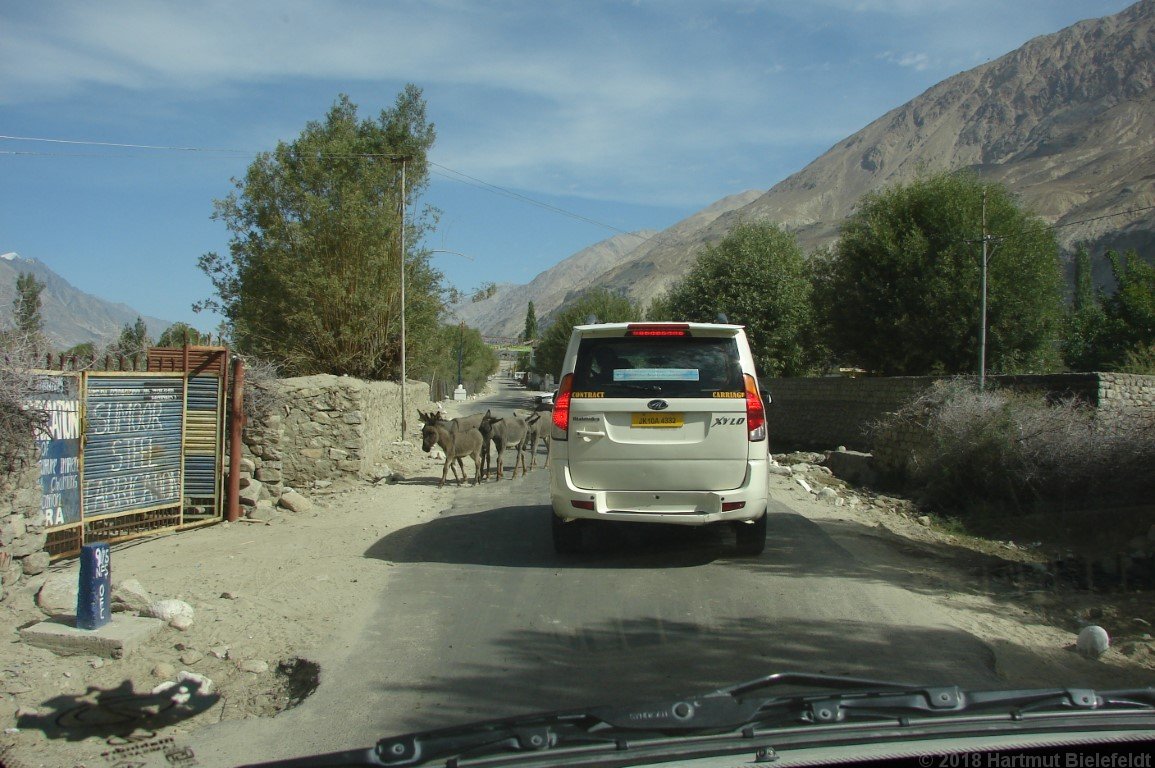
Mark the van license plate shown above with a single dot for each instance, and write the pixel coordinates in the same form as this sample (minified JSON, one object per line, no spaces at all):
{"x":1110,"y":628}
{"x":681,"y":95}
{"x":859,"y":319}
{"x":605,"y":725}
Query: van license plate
{"x":657,"y":420}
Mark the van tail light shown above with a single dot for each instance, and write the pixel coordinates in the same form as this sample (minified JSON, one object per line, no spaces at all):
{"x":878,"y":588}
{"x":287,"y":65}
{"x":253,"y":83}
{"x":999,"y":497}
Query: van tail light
{"x":658,"y":329}
{"x":755,"y":411}
{"x":561,"y":407}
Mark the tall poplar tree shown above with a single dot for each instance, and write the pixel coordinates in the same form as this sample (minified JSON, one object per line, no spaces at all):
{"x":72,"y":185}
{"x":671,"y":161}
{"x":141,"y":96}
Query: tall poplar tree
{"x":312,"y":279}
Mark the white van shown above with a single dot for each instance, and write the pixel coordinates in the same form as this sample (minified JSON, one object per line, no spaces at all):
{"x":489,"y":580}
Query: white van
{"x":659,"y":422}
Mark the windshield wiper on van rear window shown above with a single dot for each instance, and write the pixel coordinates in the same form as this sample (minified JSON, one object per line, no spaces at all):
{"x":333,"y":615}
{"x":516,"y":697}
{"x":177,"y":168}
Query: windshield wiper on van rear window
{"x":651,"y":388}
{"x":742,"y":711}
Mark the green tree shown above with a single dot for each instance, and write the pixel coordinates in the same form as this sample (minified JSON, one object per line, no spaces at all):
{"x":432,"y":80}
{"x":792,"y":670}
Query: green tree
{"x":26,"y":305}
{"x":605,"y":306}
{"x":457,"y":342}
{"x":903,"y":290}
{"x":1086,"y":320}
{"x":757,"y":277}
{"x":530,"y":332}
{"x":312,"y":278}
{"x":85,"y":350}
{"x":1131,"y":309}
{"x":179,"y":334}
{"x":134,"y":339}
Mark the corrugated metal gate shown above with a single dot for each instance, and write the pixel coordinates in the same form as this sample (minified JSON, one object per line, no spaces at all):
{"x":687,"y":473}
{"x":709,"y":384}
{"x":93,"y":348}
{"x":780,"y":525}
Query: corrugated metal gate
{"x":148,"y":453}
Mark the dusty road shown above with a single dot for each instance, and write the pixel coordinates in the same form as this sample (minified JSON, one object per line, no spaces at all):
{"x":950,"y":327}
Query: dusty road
{"x":428,"y":607}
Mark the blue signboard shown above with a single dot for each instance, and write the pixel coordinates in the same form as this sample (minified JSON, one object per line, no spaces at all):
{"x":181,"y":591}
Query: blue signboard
{"x":58,"y":447}
{"x":132,"y":453}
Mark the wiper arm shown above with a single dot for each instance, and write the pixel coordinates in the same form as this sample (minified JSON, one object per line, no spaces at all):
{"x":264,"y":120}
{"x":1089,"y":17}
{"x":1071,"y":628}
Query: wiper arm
{"x":740,"y":709}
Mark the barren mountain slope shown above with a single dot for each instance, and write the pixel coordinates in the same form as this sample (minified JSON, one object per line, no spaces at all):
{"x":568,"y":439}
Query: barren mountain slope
{"x":1067,"y":121}
{"x":503,"y":313}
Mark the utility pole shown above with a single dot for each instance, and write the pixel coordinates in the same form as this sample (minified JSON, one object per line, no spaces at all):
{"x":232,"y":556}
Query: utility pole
{"x":404,"y":423}
{"x":983,"y":313}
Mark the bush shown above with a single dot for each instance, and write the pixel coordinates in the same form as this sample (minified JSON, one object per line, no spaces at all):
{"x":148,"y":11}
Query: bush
{"x":21,"y":421}
{"x":1003,"y":452}
{"x":261,"y":397}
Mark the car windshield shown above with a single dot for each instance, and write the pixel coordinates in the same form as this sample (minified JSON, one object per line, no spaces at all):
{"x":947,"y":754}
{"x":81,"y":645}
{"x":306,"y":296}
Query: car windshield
{"x":672,"y":366}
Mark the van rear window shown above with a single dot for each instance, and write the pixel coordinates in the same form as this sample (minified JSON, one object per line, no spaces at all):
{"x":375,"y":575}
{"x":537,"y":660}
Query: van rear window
{"x":673,"y":366}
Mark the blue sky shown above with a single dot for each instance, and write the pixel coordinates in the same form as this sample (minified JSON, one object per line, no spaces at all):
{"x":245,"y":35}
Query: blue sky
{"x":631,"y":114}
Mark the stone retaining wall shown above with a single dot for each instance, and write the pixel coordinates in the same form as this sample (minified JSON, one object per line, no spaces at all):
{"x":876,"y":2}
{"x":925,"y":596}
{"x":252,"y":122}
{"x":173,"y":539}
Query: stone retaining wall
{"x":22,"y":534}
{"x":331,"y":430}
{"x":823,"y":413}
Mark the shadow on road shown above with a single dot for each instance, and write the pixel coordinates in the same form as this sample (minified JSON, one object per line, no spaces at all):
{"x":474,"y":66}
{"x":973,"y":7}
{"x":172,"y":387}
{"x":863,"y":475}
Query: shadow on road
{"x":519,"y":536}
{"x":647,"y":659}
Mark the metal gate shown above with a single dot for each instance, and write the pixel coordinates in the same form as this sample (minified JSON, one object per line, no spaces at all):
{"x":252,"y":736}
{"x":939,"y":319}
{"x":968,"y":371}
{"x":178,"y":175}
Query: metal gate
{"x":140,"y":453}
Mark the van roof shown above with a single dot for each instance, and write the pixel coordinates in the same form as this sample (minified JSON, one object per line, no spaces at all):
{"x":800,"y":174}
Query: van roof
{"x":616,"y":329}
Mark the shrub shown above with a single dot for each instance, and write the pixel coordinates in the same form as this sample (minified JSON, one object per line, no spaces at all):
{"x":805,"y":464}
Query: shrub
{"x":1003,"y":452}
{"x":21,"y":422}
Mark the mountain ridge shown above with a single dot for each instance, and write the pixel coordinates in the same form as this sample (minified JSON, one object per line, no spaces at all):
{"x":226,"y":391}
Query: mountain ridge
{"x":70,"y":316}
{"x":1066,"y":121}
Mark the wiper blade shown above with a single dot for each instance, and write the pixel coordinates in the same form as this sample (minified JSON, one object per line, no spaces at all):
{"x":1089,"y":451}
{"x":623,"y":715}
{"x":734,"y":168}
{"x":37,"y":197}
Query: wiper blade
{"x":744,"y":709}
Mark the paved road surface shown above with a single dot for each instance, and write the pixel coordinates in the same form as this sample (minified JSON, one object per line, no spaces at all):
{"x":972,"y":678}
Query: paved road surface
{"x":481,"y":619}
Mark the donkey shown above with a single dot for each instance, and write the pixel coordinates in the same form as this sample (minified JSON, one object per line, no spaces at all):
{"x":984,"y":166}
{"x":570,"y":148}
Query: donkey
{"x":506,"y":432}
{"x":472,"y":421}
{"x":456,"y":444}
{"x":538,"y":427}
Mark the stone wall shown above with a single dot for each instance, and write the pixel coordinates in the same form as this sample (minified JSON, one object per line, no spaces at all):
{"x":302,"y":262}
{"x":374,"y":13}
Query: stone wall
{"x":330,"y":430}
{"x":22,"y":534}
{"x":823,"y":413}
{"x":1126,"y":393}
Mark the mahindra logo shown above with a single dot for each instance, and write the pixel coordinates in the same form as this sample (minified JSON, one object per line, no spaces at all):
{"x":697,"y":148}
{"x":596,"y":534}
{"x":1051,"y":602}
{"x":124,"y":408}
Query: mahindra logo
{"x":657,"y":405}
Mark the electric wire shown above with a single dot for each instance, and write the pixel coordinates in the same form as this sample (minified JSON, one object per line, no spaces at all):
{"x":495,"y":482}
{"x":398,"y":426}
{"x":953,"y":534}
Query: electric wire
{"x":439,"y":169}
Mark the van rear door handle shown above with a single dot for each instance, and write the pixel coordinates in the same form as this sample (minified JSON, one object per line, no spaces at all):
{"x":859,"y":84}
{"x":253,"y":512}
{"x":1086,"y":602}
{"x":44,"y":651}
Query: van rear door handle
{"x":586,"y":435}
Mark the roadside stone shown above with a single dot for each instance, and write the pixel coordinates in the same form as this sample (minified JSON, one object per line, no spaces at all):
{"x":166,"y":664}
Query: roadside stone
{"x":130,"y":595}
{"x":1092,"y":642}
{"x":58,"y":595}
{"x":191,"y":657}
{"x":219,"y":652}
{"x":181,"y":623}
{"x":805,"y":486}
{"x":923,"y":520}
{"x":778,"y":469}
{"x":164,"y":670}
{"x":251,"y":494}
{"x":828,"y":495}
{"x":295,"y":502}
{"x":168,"y":610}
{"x":254,"y":666}
{"x":264,"y":510}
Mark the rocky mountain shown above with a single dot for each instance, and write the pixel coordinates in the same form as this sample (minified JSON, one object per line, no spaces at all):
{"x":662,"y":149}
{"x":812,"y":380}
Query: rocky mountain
{"x":1067,"y":122}
{"x":70,"y":316}
{"x":503,"y":313}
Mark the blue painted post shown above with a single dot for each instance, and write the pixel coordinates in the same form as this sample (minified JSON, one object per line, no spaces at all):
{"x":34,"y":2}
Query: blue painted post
{"x":93,"y":603}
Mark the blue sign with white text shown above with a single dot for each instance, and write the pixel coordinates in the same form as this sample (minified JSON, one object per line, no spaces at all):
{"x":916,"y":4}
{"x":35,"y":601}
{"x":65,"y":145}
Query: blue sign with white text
{"x":94,"y":599}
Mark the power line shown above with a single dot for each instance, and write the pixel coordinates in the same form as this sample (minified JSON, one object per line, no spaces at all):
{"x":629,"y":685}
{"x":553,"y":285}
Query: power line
{"x":444,"y":171}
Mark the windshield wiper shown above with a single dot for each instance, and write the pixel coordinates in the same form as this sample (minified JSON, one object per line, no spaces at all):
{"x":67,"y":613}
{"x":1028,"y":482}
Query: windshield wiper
{"x":744,"y":710}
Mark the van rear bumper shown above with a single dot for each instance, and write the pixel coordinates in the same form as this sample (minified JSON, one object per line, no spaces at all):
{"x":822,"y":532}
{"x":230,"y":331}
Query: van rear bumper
{"x":674,"y":507}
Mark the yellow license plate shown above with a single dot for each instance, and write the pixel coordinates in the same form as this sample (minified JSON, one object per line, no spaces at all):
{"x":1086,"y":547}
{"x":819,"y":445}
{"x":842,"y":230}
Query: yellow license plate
{"x":657,"y":420}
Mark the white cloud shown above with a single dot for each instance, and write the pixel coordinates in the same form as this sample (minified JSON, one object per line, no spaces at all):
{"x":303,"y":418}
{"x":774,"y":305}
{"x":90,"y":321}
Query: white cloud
{"x":914,"y":60}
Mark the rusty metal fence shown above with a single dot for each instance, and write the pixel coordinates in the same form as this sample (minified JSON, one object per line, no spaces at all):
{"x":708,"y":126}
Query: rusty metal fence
{"x":132,"y":453}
